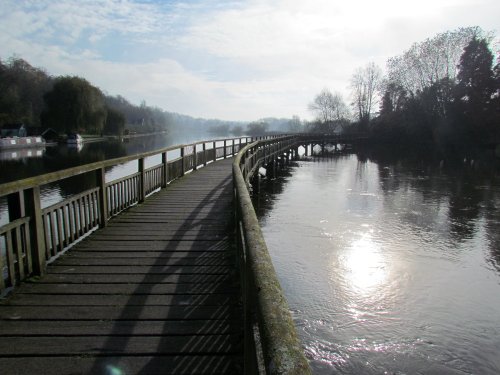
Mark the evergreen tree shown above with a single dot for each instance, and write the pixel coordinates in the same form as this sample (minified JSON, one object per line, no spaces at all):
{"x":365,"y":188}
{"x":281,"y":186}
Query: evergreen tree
{"x":476,"y":88}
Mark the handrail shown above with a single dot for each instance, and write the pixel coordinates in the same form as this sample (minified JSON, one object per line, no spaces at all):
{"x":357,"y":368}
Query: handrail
{"x":265,"y":307}
{"x":44,"y":233}
{"x":14,"y":186}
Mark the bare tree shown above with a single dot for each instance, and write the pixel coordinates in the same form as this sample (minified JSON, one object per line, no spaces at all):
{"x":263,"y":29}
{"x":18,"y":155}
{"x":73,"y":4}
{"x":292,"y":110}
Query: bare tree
{"x":330,"y":109}
{"x":365,"y":84}
{"x":295,"y":125}
{"x":433,"y":60}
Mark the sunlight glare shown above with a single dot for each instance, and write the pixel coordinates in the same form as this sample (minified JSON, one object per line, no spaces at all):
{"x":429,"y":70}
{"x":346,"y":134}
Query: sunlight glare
{"x":364,"y":265}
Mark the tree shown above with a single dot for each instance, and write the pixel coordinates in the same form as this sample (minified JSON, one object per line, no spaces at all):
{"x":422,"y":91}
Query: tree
{"x":393,"y":98}
{"x":74,"y":105}
{"x":295,"y":125}
{"x":115,"y":122}
{"x":219,"y":130}
{"x":257,"y":128}
{"x":237,"y":130}
{"x":476,"y":86}
{"x":431,"y":61}
{"x":330,"y":110}
{"x":365,"y":83}
{"x":21,"y":92}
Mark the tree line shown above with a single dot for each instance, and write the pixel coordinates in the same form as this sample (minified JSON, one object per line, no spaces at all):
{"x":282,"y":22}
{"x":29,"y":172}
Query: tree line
{"x":444,"y":90}
{"x":69,"y":104}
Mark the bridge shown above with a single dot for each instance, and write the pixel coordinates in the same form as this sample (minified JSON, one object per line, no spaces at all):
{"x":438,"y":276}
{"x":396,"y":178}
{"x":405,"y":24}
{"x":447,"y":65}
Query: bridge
{"x":161,"y":271}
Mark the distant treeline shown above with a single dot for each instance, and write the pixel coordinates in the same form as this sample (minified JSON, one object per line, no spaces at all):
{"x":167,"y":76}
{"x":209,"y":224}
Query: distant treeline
{"x":67,"y":104}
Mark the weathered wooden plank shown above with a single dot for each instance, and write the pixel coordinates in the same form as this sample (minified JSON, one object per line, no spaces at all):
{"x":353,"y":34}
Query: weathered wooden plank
{"x":161,"y":270}
{"x":124,"y":289}
{"x":112,"y":346}
{"x":202,"y":236}
{"x":191,"y":245}
{"x":117,"y":313}
{"x":134,"y":278}
{"x":149,"y":254}
{"x":177,"y":261}
{"x":146,"y":230}
{"x":122,"y":300}
{"x":151,"y":365}
{"x":29,"y":328}
{"x":171,"y":226}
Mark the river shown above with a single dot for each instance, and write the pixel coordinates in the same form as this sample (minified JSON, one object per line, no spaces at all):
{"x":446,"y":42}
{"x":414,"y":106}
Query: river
{"x":389,"y":266}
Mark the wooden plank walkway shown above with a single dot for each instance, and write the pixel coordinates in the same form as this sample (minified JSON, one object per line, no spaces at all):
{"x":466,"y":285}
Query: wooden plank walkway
{"x":155,"y":292}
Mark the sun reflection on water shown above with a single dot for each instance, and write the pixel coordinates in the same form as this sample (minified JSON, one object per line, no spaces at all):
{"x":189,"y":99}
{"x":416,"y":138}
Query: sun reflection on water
{"x":364,"y":265}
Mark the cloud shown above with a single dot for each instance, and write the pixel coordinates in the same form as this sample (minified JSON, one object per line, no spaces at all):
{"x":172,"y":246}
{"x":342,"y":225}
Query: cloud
{"x":227,"y":59}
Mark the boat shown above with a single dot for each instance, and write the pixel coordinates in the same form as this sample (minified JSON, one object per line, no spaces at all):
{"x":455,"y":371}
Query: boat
{"x":74,"y":139}
{"x":21,"y":142}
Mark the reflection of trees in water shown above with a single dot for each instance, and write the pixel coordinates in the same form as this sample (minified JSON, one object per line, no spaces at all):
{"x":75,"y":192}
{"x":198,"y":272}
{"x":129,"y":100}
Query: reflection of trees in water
{"x":59,"y":158}
{"x":466,"y":190}
{"x":13,"y":170}
{"x":464,"y":205}
{"x":447,"y":199}
{"x":270,"y":188}
{"x":148,"y":143}
{"x":493,"y":225}
{"x":94,"y":153}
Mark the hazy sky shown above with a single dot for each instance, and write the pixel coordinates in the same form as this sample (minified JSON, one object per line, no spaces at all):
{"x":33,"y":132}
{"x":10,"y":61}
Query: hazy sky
{"x":232,"y":60}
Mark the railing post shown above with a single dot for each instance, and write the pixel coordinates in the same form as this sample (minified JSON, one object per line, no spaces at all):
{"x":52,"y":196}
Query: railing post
{"x":195,"y":158}
{"x":103,"y":197}
{"x":183,"y":167}
{"x":15,"y":204}
{"x":36,"y":231}
{"x":142,"y":181}
{"x":164,"y":163}
{"x":204,"y":154}
{"x":225,"y":150}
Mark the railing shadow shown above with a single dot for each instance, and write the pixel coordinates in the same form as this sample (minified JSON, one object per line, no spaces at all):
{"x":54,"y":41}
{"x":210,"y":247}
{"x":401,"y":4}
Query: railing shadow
{"x":199,"y":344}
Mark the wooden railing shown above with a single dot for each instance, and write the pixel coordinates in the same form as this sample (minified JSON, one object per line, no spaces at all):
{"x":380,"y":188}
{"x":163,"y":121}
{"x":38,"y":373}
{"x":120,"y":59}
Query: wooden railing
{"x":35,"y":235}
{"x":271,"y":342}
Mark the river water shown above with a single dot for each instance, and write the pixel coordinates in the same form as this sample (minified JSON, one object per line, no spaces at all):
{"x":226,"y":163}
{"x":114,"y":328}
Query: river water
{"x":389,"y":267}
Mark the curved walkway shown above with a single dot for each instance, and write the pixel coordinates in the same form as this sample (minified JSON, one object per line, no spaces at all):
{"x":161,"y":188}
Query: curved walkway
{"x":155,"y":292}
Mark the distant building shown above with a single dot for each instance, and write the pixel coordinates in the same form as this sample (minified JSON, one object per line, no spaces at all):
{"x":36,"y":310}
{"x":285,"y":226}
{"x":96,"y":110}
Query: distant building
{"x":14,"y":130}
{"x":50,"y":135}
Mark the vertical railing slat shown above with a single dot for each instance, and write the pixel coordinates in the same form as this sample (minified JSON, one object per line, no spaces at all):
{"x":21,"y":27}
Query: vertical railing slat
{"x":19,"y":254}
{"x":53,"y":248}
{"x":11,"y":272}
{"x":2,"y":280}
{"x":27,"y":249}
{"x":59,"y":220}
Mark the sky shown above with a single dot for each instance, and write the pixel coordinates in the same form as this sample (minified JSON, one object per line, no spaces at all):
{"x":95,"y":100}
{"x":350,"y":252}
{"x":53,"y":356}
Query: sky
{"x":238,"y":60}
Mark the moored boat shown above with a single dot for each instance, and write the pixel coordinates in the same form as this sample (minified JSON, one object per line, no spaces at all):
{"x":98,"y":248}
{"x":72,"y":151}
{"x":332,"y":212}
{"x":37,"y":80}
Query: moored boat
{"x":21,"y":142}
{"x":74,"y":139}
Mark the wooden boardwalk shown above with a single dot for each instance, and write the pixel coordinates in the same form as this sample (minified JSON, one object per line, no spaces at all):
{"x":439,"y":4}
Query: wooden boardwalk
{"x":155,"y":292}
